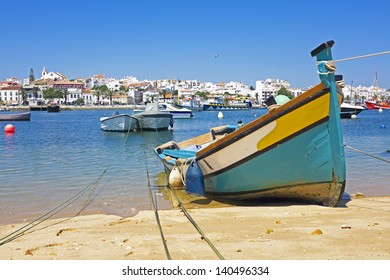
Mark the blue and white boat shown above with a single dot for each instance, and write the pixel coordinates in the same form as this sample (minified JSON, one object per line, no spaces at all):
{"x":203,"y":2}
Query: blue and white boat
{"x":294,"y":152}
{"x":177,"y":111}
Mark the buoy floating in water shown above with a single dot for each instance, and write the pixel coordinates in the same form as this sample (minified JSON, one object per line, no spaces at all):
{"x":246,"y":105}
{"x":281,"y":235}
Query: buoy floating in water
{"x":380,"y":110}
{"x":220,"y":115}
{"x":9,"y":128}
{"x":353,"y":116}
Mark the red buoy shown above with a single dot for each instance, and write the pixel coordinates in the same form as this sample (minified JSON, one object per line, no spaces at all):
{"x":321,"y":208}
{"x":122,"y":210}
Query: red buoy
{"x":9,"y":128}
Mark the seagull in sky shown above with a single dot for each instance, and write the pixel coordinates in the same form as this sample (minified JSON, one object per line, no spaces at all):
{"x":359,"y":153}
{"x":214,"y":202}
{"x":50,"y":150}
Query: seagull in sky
{"x":215,"y":56}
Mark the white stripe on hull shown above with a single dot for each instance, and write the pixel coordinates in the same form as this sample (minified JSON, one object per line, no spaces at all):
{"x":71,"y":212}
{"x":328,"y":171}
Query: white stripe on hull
{"x":235,"y":152}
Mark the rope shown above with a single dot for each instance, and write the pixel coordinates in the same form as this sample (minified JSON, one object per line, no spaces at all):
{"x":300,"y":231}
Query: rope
{"x":329,"y":66}
{"x":155,"y":209}
{"x":362,"y":56}
{"x":195,"y":225}
{"x":367,"y":154}
{"x":21,"y":231}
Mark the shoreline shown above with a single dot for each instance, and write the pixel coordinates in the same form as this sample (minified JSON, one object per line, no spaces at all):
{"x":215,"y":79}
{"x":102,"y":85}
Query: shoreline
{"x":94,"y":107}
{"x":359,"y":229}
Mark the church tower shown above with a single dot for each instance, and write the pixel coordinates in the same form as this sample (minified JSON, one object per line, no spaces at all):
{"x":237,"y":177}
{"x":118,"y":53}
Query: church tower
{"x":44,"y":72}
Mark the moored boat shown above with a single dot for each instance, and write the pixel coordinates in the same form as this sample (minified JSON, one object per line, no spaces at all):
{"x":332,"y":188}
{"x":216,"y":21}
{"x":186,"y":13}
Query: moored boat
{"x":24,"y":116}
{"x":219,"y":105}
{"x":373,"y":105}
{"x":348,"y":111}
{"x":153,"y":119}
{"x":118,"y":122}
{"x":53,"y":108}
{"x":377,"y":103}
{"x":177,"y":111}
{"x":294,"y":152}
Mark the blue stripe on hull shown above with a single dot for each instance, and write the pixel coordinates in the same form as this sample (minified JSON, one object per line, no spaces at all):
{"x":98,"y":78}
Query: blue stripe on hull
{"x":311,"y":162}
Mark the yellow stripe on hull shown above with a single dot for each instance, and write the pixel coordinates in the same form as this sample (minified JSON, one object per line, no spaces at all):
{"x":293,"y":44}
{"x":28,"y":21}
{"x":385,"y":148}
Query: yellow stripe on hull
{"x":296,"y":120}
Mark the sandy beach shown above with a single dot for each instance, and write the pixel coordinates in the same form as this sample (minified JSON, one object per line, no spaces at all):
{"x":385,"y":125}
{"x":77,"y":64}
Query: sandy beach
{"x":357,"y":230}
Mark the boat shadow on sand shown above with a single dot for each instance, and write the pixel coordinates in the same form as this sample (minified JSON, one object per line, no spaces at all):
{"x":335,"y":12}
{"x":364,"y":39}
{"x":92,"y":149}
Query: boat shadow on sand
{"x":192,"y":201}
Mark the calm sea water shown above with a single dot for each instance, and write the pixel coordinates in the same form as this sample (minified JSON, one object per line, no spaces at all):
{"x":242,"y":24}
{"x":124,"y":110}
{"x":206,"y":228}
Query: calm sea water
{"x":51,"y":158}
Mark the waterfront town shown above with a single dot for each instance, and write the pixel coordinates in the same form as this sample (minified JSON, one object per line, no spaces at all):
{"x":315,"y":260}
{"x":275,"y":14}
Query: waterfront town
{"x":99,"y":90}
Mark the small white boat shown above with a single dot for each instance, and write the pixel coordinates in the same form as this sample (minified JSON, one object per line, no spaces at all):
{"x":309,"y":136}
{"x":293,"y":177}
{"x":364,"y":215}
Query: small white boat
{"x":177,"y":111}
{"x":153,"y":119}
{"x":118,"y":122}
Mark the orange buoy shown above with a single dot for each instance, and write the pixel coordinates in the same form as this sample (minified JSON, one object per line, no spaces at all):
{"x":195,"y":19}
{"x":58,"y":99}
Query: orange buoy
{"x":9,"y":128}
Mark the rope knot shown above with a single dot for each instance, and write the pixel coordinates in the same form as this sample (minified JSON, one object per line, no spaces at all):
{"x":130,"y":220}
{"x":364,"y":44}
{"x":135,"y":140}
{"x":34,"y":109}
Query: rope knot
{"x":326,"y":67}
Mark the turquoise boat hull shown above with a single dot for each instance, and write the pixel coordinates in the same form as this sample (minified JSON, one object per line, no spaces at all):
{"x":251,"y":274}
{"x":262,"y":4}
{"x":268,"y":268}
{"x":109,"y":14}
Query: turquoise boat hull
{"x":280,"y":174}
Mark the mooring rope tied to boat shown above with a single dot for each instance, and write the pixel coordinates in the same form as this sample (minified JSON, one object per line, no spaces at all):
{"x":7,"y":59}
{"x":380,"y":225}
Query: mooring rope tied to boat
{"x":21,"y":231}
{"x":367,"y":154}
{"x":361,"y":56}
{"x":195,"y":224}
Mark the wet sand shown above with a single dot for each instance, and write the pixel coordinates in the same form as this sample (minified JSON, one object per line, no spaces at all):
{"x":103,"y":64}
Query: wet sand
{"x":359,"y":229}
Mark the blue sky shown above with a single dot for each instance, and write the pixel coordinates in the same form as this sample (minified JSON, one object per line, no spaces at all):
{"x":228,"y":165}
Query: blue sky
{"x":179,"y":39}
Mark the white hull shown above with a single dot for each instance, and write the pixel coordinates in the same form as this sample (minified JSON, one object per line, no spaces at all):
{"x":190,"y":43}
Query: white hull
{"x":180,"y":115}
{"x":178,"y":112}
{"x":121,"y":122}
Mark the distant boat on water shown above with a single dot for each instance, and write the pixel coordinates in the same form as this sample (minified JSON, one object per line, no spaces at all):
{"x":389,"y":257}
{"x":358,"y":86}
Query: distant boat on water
{"x":24,"y":116}
{"x":149,"y":119}
{"x":53,"y":108}
{"x":178,"y":112}
{"x":294,"y":152}
{"x":377,"y":104}
{"x":118,"y":122}
{"x":348,"y":111}
{"x":153,"y":118}
{"x":223,"y":106}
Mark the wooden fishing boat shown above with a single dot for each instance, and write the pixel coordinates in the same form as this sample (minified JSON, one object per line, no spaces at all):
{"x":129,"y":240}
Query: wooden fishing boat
{"x":294,"y":152}
{"x":24,"y":116}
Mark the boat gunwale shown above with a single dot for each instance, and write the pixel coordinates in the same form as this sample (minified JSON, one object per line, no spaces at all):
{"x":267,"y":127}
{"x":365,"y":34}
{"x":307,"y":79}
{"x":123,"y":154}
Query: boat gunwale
{"x":103,"y":119}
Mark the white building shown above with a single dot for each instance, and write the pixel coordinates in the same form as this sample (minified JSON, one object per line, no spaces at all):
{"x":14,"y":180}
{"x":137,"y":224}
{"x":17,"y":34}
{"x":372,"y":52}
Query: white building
{"x":264,"y":90}
{"x":10,"y":95}
{"x":361,"y":93}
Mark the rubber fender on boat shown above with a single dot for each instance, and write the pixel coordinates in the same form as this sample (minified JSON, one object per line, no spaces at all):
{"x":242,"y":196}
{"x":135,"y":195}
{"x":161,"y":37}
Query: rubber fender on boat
{"x":175,"y":178}
{"x":194,"y":179}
